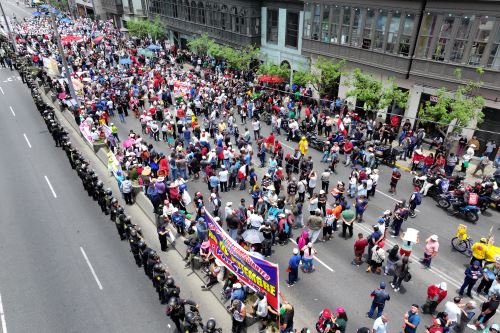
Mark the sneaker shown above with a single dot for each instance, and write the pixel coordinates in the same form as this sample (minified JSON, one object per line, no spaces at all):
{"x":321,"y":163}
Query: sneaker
{"x":472,"y":327}
{"x":392,"y":285}
{"x":396,"y":290}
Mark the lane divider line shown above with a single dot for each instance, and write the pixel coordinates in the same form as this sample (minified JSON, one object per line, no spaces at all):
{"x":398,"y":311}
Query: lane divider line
{"x":27,"y":141}
{"x":91,"y":268}
{"x":315,"y":257}
{"x":50,"y":185}
{"x":2,"y":316}
{"x":2,"y":91}
{"x":12,"y":110}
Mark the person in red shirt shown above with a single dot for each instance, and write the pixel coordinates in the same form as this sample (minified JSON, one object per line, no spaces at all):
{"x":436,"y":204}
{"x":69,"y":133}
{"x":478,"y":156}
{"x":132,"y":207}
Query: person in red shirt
{"x":436,"y":326}
{"x":418,"y":157}
{"x":435,"y":294}
{"x":359,"y":249}
{"x":395,"y":177}
{"x":347,"y":151}
{"x":428,"y":162}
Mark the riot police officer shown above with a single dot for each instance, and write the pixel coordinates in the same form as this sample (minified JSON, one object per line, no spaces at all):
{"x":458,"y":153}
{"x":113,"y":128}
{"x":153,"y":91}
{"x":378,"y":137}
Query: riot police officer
{"x":136,"y":242}
{"x":211,"y":326}
{"x":108,"y":197}
{"x":159,"y":279}
{"x":113,"y":209}
{"x":146,"y":253}
{"x":177,"y":312}
{"x":152,"y":260}
{"x":169,"y":290}
{"x":100,"y":194}
{"x":93,"y":186}
{"x":120,"y":223}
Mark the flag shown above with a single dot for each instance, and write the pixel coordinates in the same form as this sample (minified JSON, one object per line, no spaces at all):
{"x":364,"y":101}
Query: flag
{"x":340,"y":125}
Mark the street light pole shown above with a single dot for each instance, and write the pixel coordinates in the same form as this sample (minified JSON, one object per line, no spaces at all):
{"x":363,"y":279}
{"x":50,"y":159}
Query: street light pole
{"x":8,"y":28}
{"x":63,"y":57}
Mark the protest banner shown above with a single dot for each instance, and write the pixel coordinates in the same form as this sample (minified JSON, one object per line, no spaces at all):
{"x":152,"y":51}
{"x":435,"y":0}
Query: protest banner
{"x":258,"y":274}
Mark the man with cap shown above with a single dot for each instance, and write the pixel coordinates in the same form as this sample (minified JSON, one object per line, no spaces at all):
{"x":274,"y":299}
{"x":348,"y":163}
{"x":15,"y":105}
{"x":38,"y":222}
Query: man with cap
{"x":293,"y":267}
{"x":472,"y":274}
{"x":380,"y":297}
{"x":201,"y":229}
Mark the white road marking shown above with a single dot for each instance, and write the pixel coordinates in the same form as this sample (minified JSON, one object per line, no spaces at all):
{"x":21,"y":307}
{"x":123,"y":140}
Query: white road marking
{"x":392,"y":198}
{"x":169,"y":326}
{"x":51,"y":188}
{"x":2,"y":316}
{"x":315,"y":257}
{"x":91,"y":268}
{"x":12,"y":110}
{"x":2,"y":91}
{"x":27,"y":141}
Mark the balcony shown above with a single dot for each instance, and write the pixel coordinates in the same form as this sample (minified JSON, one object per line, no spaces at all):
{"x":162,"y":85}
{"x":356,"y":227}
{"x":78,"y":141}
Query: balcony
{"x":442,"y":73}
{"x":397,"y":65}
{"x":220,"y":35}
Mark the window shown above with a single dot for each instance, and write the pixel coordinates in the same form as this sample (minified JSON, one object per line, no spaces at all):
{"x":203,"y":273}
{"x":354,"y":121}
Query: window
{"x":334,"y":32}
{"x":201,"y":13}
{"x":457,"y":52}
{"x":346,"y":23}
{"x":193,"y":11}
{"x":272,"y":26}
{"x":444,"y":38}
{"x":307,"y":20}
{"x":216,"y":15}
{"x":176,"y":9}
{"x":380,"y":29}
{"x":367,"y":31}
{"x":426,"y":34}
{"x":325,"y":25}
{"x":494,"y":58}
{"x":235,"y":20}
{"x":208,"y":13}
{"x":481,"y":40}
{"x":405,"y":39}
{"x":315,"y":24}
{"x":392,"y":35}
{"x":292,"y":29}
{"x":187,"y":12}
{"x":356,"y":28}
{"x":224,"y":17}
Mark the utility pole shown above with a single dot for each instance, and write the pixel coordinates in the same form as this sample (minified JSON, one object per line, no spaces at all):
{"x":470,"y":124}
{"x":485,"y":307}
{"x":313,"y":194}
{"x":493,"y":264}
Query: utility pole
{"x":63,"y":56}
{"x":11,"y":35}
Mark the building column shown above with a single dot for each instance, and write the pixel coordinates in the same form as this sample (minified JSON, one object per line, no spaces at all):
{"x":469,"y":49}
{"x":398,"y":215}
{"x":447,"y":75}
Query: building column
{"x":413,"y":103}
{"x":343,"y":89}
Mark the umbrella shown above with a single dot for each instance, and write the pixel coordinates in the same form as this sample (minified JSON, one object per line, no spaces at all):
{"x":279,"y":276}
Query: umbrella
{"x":70,"y":38}
{"x":98,"y":39}
{"x":146,"y":53}
{"x":153,"y":47}
{"x":253,"y":236}
{"x":127,"y":143}
{"x":37,"y":13}
{"x":65,"y":20}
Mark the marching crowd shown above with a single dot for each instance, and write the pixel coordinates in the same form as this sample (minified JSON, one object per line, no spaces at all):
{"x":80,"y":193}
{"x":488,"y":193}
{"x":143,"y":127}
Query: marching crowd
{"x":211,"y":120}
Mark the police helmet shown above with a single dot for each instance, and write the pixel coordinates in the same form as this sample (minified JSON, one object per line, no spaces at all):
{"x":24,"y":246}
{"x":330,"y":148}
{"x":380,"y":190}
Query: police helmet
{"x":211,"y":324}
{"x":190,"y":318}
{"x":108,"y":191}
{"x":99,"y":184}
{"x":126,"y":219}
{"x":170,"y":282}
{"x":173,"y":301}
{"x":133,"y":233}
{"x":120,"y":210}
{"x":156,"y":267}
{"x":113,"y":201}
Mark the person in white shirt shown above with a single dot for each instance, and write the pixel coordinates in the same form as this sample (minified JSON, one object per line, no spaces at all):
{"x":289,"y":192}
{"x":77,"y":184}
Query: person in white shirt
{"x":256,"y":129}
{"x":380,"y":324}
{"x":453,"y":309}
{"x":223,"y":178}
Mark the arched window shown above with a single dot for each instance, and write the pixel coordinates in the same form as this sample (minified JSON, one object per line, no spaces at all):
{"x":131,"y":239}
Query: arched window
{"x":224,"y":21}
{"x":234,"y":20}
{"x":187,"y":13}
{"x":208,"y":13}
{"x":177,"y":8}
{"x":216,"y":15}
{"x":194,"y":10}
{"x":201,"y":13}
{"x":243,"y":21}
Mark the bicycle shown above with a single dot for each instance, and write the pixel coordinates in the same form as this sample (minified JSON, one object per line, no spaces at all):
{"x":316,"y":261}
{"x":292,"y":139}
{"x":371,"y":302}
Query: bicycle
{"x":462,"y":242}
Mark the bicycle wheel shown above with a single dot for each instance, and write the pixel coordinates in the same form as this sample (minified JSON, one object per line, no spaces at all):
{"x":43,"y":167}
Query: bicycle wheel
{"x":459,"y":244}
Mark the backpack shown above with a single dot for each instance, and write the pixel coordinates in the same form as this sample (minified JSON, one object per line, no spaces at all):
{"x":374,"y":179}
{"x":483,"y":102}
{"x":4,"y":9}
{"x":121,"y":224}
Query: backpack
{"x":418,"y":198}
{"x":324,"y":321}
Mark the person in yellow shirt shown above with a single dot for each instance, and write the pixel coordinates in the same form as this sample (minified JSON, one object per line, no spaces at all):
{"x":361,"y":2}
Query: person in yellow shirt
{"x":303,"y":146}
{"x":479,"y":250}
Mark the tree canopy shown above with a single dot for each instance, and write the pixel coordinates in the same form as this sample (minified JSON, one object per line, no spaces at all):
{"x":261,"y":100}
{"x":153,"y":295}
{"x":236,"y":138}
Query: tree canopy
{"x":323,"y":75}
{"x":373,"y":93}
{"x":146,"y":28}
{"x":460,"y":106}
{"x":267,"y":68}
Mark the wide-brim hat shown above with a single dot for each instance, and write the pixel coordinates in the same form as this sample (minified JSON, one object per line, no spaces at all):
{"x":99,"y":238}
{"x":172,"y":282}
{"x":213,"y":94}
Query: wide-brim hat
{"x":146,"y":171}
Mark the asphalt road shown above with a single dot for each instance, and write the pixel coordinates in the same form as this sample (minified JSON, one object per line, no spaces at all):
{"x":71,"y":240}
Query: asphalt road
{"x":64,"y":268}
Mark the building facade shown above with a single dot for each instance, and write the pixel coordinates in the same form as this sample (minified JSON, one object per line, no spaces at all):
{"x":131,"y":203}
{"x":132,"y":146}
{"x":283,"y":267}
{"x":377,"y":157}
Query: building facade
{"x":420,"y":44}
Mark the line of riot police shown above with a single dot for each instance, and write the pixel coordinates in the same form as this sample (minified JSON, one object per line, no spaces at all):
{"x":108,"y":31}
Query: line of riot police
{"x":144,"y":256}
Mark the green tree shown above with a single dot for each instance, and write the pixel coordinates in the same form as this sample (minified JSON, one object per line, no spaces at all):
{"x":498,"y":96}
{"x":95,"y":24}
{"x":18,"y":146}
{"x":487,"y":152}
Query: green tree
{"x":323,"y":75}
{"x":459,"y":107}
{"x":201,"y":45}
{"x":146,"y":28}
{"x":240,"y":59}
{"x":271,"y":69}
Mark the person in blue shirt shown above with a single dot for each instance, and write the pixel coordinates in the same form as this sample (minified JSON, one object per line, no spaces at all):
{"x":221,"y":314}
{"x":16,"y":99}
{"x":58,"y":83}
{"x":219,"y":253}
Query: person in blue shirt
{"x":473,"y":273}
{"x":201,"y":229}
{"x":411,"y":320}
{"x":380,"y":296}
{"x":293,"y":267}
{"x":213,"y":183}
{"x":238,"y":292}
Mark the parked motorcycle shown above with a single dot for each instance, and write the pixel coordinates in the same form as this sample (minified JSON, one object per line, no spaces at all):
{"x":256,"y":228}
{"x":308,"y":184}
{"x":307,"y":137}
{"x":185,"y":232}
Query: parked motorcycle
{"x":457,"y":206}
